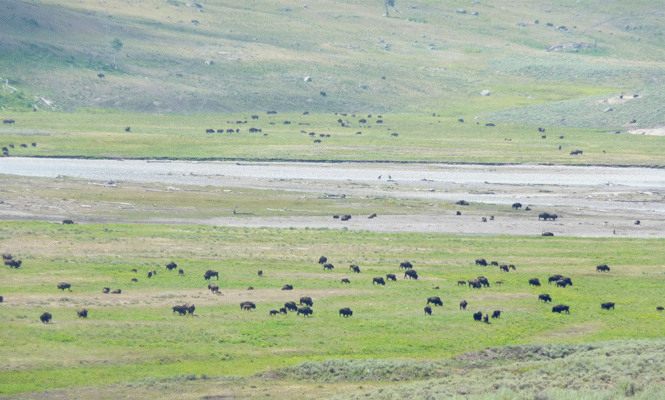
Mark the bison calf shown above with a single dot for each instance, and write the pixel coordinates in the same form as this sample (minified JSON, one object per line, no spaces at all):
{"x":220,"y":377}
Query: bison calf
{"x":428,"y":310}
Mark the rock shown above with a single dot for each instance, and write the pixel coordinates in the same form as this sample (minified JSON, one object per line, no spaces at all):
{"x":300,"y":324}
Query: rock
{"x":608,"y":109}
{"x":460,"y":11}
{"x":307,"y":79}
{"x":485,"y":93}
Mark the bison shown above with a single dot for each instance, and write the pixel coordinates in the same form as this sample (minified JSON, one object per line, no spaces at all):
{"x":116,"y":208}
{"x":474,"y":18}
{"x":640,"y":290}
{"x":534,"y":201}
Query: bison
{"x":209,"y":274}
{"x":116,"y":291}
{"x":545,"y":298}
{"x":64,"y":285}
{"x":345,"y":280}
{"x":494,"y":263}
{"x":477,"y":316}
{"x":82,"y":313}
{"x":486,"y":319}
{"x":287,"y":287}
{"x":378,"y":281}
{"x":345,"y":217}
{"x":659,"y":308}
{"x":411,"y":273}
{"x":247,"y":305}
{"x":46,"y":317}
{"x":106,"y":290}
{"x":180,"y":309}
{"x":481,"y":261}
{"x":607,"y":306}
{"x":463,"y":304}
{"x":428,"y":310}
{"x":181,"y":272}
{"x":323,"y":260}
{"x":483,"y":281}
{"x":545,"y":216}
{"x":496,"y":314}
{"x":67,"y":222}
{"x":547,"y":234}
{"x":134,"y":280}
{"x":561,"y":307}
{"x":328,"y":266}
{"x":282,"y":310}
{"x":517,"y":206}
{"x":291,"y":305}
{"x":8,"y":121}
{"x":170,"y":266}
{"x":405,"y":265}
{"x":149,"y":274}
{"x":346,"y":312}
{"x":6,"y":256}
{"x":354,"y":268}
{"x":461,"y":283}
{"x":2,"y":299}
{"x":306,"y":301}
{"x":475,"y":284}
{"x":260,"y":273}
{"x":434,"y":300}
{"x":603,"y":268}
{"x":554,"y":278}
{"x":306,"y":311}
{"x":504,"y":267}
{"x":14,"y":263}
{"x":561,"y":283}
{"x":213,"y":288}
{"x":534,"y":282}
{"x":273,"y":313}
{"x":391,"y":277}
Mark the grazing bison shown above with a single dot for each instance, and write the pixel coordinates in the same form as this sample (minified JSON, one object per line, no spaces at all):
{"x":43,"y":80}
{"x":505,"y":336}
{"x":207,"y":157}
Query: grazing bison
{"x":561,"y":283}
{"x":328,"y":266}
{"x":545,"y":216}
{"x":576,"y":152}
{"x":345,"y":217}
{"x":135,"y":270}
{"x":282,"y":310}
{"x":504,"y":267}
{"x":323,"y":260}
{"x":260,"y":273}
{"x":181,"y":272}
{"x":391,"y":277}
{"x":545,"y":298}
{"x":106,"y":290}
{"x":461,"y":283}
{"x":481,"y":261}
{"x":247,"y":305}
{"x":517,"y":206}
{"x":547,"y":234}
{"x":149,"y":274}
{"x":291,"y":305}
{"x":6,"y":256}
{"x":64,"y":285}
{"x":561,"y":307}
{"x":462,"y":203}
{"x":486,"y":319}
{"x":496,"y":314}
{"x":511,"y":266}
{"x":607,"y":306}
{"x":345,"y":280}
{"x":411,"y":273}
{"x":534,"y":282}
{"x":127,"y":129}
{"x":306,"y":301}
{"x":250,"y":288}
{"x":463,"y":304}
{"x":134,"y":280}
{"x":210,"y":130}
{"x":116,"y":291}
{"x":428,"y":310}
{"x":82,"y":313}
{"x":180,"y":309}
{"x":659,"y":308}
{"x":483,"y":281}
{"x":354,"y":268}
{"x":603,"y":268}
{"x":171,"y":266}
{"x":346,"y":312}
{"x":273,"y":313}
{"x":67,"y":222}
{"x":554,"y":278}
{"x":213,"y":288}
{"x":46,"y":317}
{"x":405,"y":265}
{"x":8,"y":121}
{"x":475,"y":284}
{"x":14,"y":263}
{"x":434,"y":300}
{"x":458,"y":213}
{"x":306,"y":311}
{"x":209,"y":274}
{"x":494,"y":263}
{"x":477,"y":316}
{"x":378,"y":281}
{"x":287,"y":287}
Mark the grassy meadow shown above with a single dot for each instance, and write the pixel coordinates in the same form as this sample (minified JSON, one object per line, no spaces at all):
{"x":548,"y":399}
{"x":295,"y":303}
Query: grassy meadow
{"x":135,"y":335}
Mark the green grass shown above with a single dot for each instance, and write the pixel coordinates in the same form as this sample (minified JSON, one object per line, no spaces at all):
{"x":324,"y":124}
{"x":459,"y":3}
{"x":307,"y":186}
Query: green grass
{"x":144,"y":339}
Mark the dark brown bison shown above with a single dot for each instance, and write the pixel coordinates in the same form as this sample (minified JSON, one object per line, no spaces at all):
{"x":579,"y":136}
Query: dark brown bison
{"x":545,"y":216}
{"x":545,"y":298}
{"x":659,"y":308}
{"x":6,"y":256}
{"x":378,"y":281}
{"x":512,"y":266}
{"x":428,"y":310}
{"x":328,"y":266}
{"x":287,"y":287}
{"x":486,"y":319}
{"x":504,"y":267}
{"x":483,"y":281}
{"x":603,"y":268}
{"x":128,"y":128}
{"x":106,"y":290}
{"x":372,"y":216}
{"x":247,"y":305}
{"x":2,"y":299}
{"x":391,"y":277}
{"x":478,"y":316}
{"x":411,"y":273}
{"x":547,"y":234}
{"x":64,"y":285}
{"x":282,"y":310}
{"x":561,"y":283}
{"x":607,"y":306}
{"x":210,"y":130}
{"x":462,"y":203}
{"x":134,"y":280}
{"x":346,"y":312}
{"x":345,"y":217}
{"x":135,"y":270}
{"x":14,"y":263}
{"x":170,"y":266}
{"x":82,"y":313}
{"x":463,"y":304}
{"x":209,"y":274}
{"x":181,"y":272}
{"x":306,"y":301}
{"x":46,"y":317}
{"x":8,"y":121}
{"x":484,"y":219}
{"x":354,"y":268}
{"x":554,"y":278}
{"x":405,"y":265}
{"x":534,"y":282}
{"x":260,"y":273}
{"x":475,"y":284}
{"x":250,"y":288}
{"x":461,"y":283}
{"x":345,"y":280}
{"x":149,"y":274}
{"x":180,"y":309}
{"x":291,"y":305}
{"x":116,"y":291}
{"x":494,"y":263}
{"x":323,"y":260}
{"x":576,"y":152}
{"x":273,"y":313}
{"x":67,"y":222}
{"x":434,"y":300}
{"x":496,"y":314}
{"x":517,"y":206}
{"x":561,"y":307}
{"x":481,"y":261}
{"x":306,"y":311}
{"x":213,"y":288}
{"x":458,"y":213}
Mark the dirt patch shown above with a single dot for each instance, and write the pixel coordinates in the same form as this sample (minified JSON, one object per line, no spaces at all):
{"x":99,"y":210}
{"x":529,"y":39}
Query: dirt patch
{"x":660,"y":131}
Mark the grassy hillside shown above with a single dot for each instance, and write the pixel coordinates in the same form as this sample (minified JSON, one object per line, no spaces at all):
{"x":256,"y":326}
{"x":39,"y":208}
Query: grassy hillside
{"x":249,"y":56}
